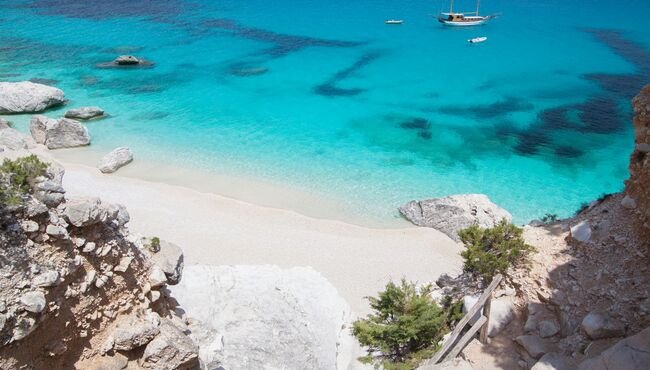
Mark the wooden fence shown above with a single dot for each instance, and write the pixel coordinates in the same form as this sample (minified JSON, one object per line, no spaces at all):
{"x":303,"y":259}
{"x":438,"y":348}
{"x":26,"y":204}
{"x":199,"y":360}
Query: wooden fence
{"x":453,"y":346}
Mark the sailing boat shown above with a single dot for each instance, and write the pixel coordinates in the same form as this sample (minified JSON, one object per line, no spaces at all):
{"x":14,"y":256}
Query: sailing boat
{"x":463,"y":19}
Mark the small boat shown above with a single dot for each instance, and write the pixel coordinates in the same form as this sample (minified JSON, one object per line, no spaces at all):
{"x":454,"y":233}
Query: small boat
{"x":477,"y":40}
{"x":394,"y":21}
{"x":463,"y":19}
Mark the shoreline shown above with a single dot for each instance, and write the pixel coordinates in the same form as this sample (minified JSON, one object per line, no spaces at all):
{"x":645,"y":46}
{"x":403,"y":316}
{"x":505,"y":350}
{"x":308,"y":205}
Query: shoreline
{"x":216,"y":230}
{"x":249,"y":189}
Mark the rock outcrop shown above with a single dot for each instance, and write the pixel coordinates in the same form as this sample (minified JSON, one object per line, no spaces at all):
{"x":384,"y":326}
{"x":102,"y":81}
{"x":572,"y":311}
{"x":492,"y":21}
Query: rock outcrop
{"x":115,"y":160}
{"x":637,"y":187}
{"x":11,"y":139}
{"x":75,"y":289}
{"x":454,"y":213}
{"x":263,"y":317}
{"x":28,"y":97}
{"x":84,"y":113}
{"x":57,"y":134}
{"x":632,"y":353}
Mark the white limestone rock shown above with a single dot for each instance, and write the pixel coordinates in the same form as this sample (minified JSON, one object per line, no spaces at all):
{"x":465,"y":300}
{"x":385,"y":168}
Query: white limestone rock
{"x":502,"y":311}
{"x":133,"y":332}
{"x":454,"y":213}
{"x":171,"y":349}
{"x":66,"y":133}
{"x":599,"y":325}
{"x":631,"y":353}
{"x":11,"y":139}
{"x":170,"y":259}
{"x":267,"y":317}
{"x":38,"y":127}
{"x":628,"y":202}
{"x":46,"y":279}
{"x":28,"y":97}
{"x":582,"y":231}
{"x":535,"y":346}
{"x":84,"y":211}
{"x":157,"y":277}
{"x":33,"y":301}
{"x":454,"y":364}
{"x":84,"y":113}
{"x":115,"y":160}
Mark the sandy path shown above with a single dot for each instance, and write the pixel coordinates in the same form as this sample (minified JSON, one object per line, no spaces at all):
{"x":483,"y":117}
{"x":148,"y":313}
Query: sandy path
{"x":217,"y":230}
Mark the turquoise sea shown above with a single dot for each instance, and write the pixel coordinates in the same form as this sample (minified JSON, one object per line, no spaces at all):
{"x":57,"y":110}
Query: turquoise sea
{"x":324,"y":97}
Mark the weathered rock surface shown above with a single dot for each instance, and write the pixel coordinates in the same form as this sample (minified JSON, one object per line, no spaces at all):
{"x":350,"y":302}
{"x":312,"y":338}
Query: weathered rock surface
{"x":599,"y":325}
{"x":454,"y":213}
{"x":535,"y":346}
{"x":11,"y":139}
{"x":275,"y":318}
{"x":637,"y":187}
{"x":28,"y":97}
{"x":84,"y":211}
{"x":582,"y":231}
{"x":38,"y":127}
{"x":84,"y":113}
{"x":455,"y":364}
{"x":170,"y":350}
{"x":66,"y":133}
{"x":116,"y":159}
{"x":33,"y":301}
{"x":135,"y":332}
{"x":631,"y":353}
{"x":127,"y":60}
{"x":170,"y":260}
{"x":554,"y":361}
{"x":4,"y":124}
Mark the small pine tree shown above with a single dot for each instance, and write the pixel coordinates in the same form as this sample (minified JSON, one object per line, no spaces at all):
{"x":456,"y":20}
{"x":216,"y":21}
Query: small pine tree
{"x":405,"y":327}
{"x":17,"y":178}
{"x":493,"y":250}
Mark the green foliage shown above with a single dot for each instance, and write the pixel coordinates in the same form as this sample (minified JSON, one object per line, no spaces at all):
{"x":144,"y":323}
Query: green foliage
{"x":405,"y":327}
{"x":493,"y":250}
{"x":549,"y":218}
{"x":154,"y":245}
{"x":18,"y":177}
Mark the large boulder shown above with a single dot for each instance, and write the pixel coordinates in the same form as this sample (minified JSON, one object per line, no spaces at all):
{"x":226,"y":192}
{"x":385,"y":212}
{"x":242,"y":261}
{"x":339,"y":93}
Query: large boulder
{"x":116,"y":159}
{"x":133,"y":332}
{"x":171,"y":349}
{"x":85,"y":211}
{"x":170,"y":260}
{"x":535,"y":346}
{"x":84,"y":113}
{"x":502,"y":311}
{"x":28,"y":97}
{"x":599,"y":325}
{"x":33,"y":301}
{"x":454,"y":213}
{"x":11,"y":139}
{"x":631,"y":353}
{"x":4,"y":124}
{"x":66,"y":133}
{"x":38,"y":127}
{"x":274,"y":318}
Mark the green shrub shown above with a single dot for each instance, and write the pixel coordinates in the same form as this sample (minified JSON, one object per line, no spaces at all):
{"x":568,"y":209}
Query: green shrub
{"x":17,"y":178}
{"x":405,"y":327}
{"x":154,"y":245}
{"x":493,"y":250}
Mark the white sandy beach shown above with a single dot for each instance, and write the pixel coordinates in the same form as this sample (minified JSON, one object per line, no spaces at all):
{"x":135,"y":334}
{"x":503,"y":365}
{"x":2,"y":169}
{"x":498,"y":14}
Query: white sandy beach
{"x":217,"y":230}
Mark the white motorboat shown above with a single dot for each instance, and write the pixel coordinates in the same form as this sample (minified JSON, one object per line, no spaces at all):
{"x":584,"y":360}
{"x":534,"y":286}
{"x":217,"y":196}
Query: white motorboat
{"x":394,"y":21}
{"x":477,"y":40}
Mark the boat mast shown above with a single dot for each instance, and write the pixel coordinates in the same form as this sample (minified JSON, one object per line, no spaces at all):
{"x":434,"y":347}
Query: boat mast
{"x":478,"y":3}
{"x":451,"y":6}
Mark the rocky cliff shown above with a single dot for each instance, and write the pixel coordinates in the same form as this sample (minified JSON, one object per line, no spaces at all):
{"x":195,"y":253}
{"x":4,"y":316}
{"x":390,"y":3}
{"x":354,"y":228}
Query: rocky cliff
{"x":77,"y":291}
{"x":638,"y":186}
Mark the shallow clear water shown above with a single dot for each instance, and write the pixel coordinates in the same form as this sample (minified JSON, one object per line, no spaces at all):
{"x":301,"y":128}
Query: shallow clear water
{"x":324,"y":96}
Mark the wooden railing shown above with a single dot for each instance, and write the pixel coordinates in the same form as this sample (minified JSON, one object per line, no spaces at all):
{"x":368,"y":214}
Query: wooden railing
{"x":452,"y":347}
